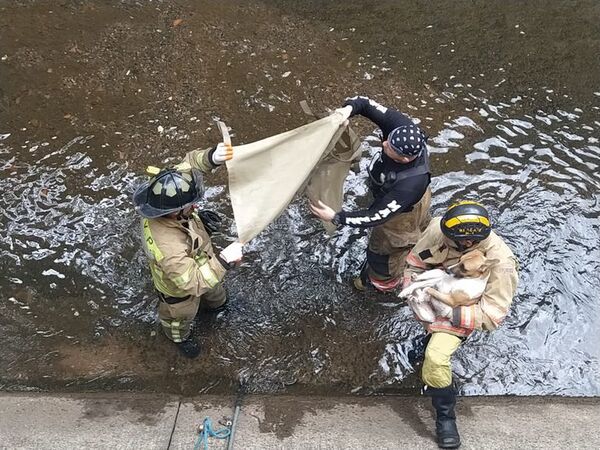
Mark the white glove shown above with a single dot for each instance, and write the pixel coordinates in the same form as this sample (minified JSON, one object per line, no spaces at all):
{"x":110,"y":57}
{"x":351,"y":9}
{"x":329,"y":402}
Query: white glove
{"x":232,"y":254}
{"x":222,"y":153}
{"x":345,"y":111}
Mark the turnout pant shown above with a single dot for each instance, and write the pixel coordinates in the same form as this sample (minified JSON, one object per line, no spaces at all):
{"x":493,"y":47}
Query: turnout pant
{"x":177,"y":314}
{"x":437,"y":369}
{"x":390,"y":243}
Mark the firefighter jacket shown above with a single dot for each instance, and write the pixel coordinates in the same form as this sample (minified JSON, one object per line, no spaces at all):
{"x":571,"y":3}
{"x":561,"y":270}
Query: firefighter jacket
{"x":181,"y":256}
{"x":434,"y":250}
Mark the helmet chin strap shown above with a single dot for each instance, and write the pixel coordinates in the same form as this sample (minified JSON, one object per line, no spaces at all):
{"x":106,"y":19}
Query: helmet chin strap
{"x":182,"y":216}
{"x":460,"y":246}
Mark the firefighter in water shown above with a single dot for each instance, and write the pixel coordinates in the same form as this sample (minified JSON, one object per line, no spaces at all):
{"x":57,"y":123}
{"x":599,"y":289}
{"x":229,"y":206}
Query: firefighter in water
{"x":464,"y":227}
{"x":399,"y":181}
{"x":186,"y":271}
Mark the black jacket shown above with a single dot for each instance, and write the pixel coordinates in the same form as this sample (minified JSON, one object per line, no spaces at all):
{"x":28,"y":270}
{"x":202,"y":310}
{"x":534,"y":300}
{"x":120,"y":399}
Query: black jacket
{"x":390,"y":197}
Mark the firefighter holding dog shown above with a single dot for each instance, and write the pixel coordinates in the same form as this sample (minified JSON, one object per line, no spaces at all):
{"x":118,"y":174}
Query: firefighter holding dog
{"x":186,"y":270}
{"x":464,"y":227}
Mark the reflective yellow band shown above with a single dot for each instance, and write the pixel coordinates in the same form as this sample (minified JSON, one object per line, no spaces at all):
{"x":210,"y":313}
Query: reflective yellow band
{"x":157,"y":277}
{"x":200,"y":159}
{"x":150,"y":243}
{"x":174,"y":329}
{"x":467,"y":218}
{"x":185,"y":277}
{"x":201,"y":258}
{"x":464,"y":202}
{"x":175,"y":325}
{"x":183,"y":167}
{"x":207,"y":273}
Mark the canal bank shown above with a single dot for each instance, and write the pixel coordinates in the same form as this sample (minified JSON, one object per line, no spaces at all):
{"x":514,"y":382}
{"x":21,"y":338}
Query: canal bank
{"x":123,"y":421}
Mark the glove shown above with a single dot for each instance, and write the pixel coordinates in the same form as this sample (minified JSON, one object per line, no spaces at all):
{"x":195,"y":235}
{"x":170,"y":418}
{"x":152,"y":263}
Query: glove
{"x":232,"y":254}
{"x":211,"y":220}
{"x":345,"y":111}
{"x":221,"y":153}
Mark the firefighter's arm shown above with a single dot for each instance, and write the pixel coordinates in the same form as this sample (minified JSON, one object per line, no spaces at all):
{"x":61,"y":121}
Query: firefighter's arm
{"x":420,"y":257}
{"x":385,"y":118}
{"x":495,"y":302}
{"x":395,"y":202}
{"x":366,"y":107}
{"x":414,"y":266}
{"x":191,"y":276}
{"x":209,"y":159}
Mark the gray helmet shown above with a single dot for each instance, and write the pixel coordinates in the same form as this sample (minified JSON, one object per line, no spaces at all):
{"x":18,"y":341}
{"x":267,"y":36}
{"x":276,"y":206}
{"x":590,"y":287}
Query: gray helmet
{"x":168,"y":192}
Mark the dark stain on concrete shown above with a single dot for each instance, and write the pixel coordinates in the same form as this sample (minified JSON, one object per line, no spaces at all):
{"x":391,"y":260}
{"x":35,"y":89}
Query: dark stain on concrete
{"x":146,"y":409}
{"x":282,"y":415}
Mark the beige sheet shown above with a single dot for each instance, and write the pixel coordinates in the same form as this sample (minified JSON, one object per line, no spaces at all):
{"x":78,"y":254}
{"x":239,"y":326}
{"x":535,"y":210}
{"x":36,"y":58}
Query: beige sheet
{"x":326,"y":183}
{"x":265,"y":175}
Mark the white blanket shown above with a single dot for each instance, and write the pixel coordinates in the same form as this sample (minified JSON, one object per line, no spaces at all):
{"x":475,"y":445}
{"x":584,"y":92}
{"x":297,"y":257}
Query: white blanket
{"x":265,"y":175}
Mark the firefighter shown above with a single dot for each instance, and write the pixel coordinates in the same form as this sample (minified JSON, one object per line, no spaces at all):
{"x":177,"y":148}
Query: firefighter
{"x":186,"y":271}
{"x":399,"y":181}
{"x":464,"y":227}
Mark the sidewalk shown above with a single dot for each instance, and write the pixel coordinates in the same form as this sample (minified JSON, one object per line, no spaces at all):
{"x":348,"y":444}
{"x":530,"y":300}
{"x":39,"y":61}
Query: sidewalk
{"x":140,"y":421}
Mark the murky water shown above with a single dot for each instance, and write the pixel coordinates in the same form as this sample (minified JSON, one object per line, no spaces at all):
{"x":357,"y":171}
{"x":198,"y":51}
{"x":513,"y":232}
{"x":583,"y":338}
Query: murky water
{"x":77,"y":308}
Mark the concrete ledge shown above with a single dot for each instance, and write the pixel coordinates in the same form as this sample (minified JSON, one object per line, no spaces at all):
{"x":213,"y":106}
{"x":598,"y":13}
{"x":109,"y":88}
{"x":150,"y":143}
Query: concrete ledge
{"x":86,"y":421}
{"x":131,"y":421}
{"x":192,"y":413}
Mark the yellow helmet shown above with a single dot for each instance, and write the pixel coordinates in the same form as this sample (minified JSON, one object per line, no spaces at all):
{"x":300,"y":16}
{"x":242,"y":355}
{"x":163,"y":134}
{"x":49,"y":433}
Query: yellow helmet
{"x":466,"y":220}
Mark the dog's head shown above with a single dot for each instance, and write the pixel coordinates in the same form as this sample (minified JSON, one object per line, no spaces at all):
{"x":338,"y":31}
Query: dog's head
{"x":473,"y":264}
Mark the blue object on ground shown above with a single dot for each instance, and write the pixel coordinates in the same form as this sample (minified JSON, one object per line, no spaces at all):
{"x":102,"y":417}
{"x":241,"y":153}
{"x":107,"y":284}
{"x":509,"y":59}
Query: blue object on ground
{"x":208,"y":432}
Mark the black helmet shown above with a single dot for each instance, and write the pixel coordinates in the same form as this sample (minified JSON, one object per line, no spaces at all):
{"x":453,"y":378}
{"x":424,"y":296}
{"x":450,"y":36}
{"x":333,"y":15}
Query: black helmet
{"x":466,"y":220}
{"x":169,"y":191}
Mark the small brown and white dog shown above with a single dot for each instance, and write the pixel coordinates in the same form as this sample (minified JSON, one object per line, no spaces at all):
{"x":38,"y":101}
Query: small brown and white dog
{"x":435,"y":293}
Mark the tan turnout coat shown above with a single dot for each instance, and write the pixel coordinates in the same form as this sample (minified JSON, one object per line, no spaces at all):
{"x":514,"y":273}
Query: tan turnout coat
{"x":434,"y":250}
{"x":181,"y":256}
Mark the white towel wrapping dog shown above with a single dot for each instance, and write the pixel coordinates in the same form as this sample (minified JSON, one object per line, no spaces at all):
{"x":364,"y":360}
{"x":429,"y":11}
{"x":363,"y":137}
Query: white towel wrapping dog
{"x":434,"y":293}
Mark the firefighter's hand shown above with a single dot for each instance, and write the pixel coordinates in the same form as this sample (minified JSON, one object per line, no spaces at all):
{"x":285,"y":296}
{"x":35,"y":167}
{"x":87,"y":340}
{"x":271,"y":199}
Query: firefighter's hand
{"x":345,"y":112}
{"x":232,"y":254}
{"x":222,"y":153}
{"x":322,"y":211}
